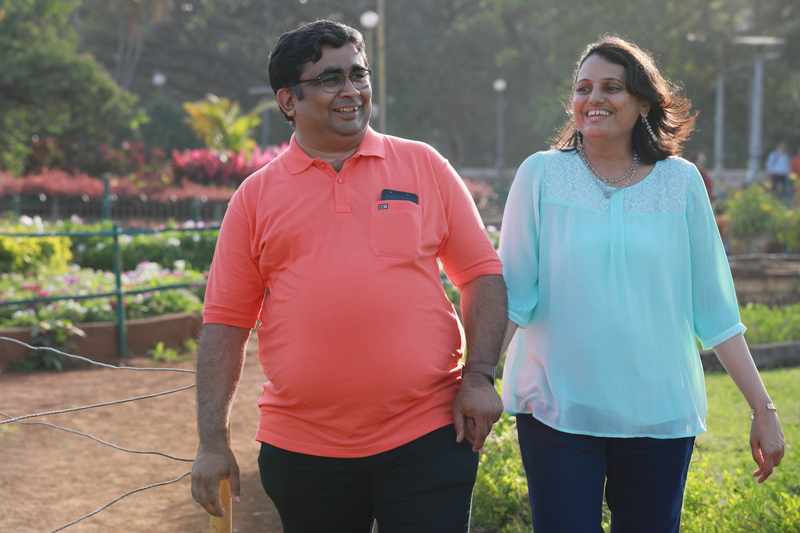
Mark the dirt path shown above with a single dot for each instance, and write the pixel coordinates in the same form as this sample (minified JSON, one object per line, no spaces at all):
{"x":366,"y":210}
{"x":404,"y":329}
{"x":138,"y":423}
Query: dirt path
{"x":49,"y":477}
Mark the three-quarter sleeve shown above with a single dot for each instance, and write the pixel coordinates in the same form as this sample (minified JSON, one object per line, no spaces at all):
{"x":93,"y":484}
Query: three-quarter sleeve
{"x":519,"y":240}
{"x":714,"y":305}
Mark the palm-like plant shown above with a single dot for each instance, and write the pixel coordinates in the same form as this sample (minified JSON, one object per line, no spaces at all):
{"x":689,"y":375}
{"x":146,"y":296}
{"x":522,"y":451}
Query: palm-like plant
{"x":219,"y":122}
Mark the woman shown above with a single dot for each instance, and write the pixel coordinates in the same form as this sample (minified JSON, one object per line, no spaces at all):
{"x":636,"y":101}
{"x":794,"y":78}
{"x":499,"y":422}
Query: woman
{"x":614,"y":267}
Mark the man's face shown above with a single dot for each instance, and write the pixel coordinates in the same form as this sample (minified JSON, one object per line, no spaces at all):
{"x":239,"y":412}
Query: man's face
{"x":330,"y":122}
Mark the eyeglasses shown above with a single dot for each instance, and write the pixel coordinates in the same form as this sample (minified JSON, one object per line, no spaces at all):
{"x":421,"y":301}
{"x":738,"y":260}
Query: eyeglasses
{"x":333,"y":82}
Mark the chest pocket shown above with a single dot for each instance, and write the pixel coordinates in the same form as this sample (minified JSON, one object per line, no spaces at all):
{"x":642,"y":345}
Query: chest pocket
{"x":394,"y":229}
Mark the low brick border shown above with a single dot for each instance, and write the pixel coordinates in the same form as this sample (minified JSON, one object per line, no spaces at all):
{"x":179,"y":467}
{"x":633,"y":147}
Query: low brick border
{"x":101,"y":343}
{"x":777,"y":355}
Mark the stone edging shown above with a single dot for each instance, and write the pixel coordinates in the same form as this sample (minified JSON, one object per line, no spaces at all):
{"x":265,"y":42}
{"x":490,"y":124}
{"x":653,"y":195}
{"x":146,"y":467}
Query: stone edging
{"x":101,"y":343}
{"x":777,"y":355}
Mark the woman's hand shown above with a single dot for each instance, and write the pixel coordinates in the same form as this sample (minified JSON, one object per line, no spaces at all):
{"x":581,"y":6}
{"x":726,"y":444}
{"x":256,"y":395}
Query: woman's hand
{"x":766,"y":442}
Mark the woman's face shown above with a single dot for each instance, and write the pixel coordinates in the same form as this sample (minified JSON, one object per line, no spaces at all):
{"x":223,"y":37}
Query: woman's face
{"x":602,"y":106}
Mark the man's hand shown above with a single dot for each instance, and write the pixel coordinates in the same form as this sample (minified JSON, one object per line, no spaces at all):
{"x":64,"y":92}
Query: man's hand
{"x":210,"y":468}
{"x":476,"y":408}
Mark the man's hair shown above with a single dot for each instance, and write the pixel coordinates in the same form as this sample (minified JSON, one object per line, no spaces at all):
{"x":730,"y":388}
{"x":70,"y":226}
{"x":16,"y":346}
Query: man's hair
{"x":304,"y":45}
{"x":670,"y":116}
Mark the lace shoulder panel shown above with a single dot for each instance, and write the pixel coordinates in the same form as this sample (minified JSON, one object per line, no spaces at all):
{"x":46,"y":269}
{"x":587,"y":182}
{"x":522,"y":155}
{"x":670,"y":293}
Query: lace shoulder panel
{"x":664,"y":191}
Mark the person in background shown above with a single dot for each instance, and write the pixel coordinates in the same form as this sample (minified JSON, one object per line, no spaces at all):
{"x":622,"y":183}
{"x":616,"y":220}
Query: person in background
{"x":367,"y":412}
{"x":615,"y":268}
{"x":778,"y":168}
{"x":699,"y":160}
{"x":796,"y":165}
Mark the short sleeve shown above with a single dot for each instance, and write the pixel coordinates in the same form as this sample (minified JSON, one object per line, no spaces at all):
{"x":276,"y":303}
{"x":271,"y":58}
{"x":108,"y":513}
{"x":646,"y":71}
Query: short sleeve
{"x":519,"y":240}
{"x":466,"y":252}
{"x":235,"y":288}
{"x":714,"y":305}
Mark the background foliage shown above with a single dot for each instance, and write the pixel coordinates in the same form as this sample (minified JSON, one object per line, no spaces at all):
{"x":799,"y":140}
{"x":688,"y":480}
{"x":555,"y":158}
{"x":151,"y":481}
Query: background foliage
{"x":80,"y":73}
{"x":49,"y":89}
{"x":442,"y":56}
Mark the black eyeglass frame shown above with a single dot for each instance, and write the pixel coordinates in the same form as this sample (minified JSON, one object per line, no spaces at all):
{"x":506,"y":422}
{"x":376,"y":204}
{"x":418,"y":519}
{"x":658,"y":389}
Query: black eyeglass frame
{"x":343,"y":82}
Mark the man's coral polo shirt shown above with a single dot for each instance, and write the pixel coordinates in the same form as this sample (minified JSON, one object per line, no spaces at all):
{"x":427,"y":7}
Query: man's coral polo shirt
{"x":358,"y":341}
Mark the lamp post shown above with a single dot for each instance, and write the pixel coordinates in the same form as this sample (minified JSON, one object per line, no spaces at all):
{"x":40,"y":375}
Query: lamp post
{"x":499,"y":85}
{"x":264,"y":114}
{"x":756,"y":101}
{"x":371,"y":20}
{"x":159,"y":79}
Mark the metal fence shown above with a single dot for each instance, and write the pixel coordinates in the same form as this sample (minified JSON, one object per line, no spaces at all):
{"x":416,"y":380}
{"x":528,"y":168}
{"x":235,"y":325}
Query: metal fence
{"x":119,"y":294}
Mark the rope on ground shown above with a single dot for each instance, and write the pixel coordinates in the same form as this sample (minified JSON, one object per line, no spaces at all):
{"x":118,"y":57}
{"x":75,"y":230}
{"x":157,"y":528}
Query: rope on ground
{"x":94,"y":362}
{"x":10,"y":419}
{"x":17,"y":419}
{"x":102,"y":441}
{"x":109,"y":504}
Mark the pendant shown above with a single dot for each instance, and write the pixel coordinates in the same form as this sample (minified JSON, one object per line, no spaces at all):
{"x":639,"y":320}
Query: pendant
{"x":608,"y":193}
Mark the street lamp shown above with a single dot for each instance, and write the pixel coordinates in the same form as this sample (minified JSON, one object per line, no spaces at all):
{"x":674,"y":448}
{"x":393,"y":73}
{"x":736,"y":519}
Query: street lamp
{"x":159,"y":79}
{"x":371,"y":20}
{"x":499,"y":85}
{"x":756,"y":104}
{"x":265,"y":89}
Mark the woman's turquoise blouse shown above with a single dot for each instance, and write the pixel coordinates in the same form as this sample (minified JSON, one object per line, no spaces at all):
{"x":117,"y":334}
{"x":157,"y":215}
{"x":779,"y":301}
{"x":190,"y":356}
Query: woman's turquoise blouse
{"x":611,"y":295}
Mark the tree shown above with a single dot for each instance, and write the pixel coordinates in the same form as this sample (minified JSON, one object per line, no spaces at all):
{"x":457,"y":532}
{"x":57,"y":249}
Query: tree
{"x":49,"y":91}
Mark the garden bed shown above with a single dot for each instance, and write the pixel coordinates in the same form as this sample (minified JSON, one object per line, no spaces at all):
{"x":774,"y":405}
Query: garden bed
{"x":102,"y":343}
{"x":772,"y":279}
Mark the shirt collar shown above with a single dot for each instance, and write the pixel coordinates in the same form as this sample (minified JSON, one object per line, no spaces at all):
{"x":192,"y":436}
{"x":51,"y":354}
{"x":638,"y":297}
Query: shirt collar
{"x":297,"y":161}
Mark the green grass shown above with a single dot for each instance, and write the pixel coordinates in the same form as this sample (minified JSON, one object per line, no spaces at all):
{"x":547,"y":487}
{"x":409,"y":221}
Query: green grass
{"x":721,"y":494}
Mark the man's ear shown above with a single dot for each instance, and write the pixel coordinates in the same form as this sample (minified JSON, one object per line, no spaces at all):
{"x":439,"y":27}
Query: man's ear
{"x":286,"y":99}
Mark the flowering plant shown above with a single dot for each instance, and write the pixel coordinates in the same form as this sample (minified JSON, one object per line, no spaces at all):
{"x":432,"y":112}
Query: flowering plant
{"x":753,"y":211}
{"x":224,"y":168}
{"x":82,"y":281}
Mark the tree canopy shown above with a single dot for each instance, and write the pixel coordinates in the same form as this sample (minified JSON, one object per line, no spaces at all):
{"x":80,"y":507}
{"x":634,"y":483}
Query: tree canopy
{"x":441,"y":59}
{"x":48,"y":89}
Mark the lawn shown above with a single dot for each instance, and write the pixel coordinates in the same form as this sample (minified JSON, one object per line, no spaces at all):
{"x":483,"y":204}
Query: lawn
{"x":721,"y":495}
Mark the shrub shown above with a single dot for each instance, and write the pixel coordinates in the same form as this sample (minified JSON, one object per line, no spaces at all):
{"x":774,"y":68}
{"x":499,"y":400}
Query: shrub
{"x":223,"y":168}
{"x":500,"y":501}
{"x":15,"y":286}
{"x":28,"y":255}
{"x":754,"y":211}
{"x":766,"y":325}
{"x":193,"y":249}
{"x":55,"y":334}
{"x":789,"y":235}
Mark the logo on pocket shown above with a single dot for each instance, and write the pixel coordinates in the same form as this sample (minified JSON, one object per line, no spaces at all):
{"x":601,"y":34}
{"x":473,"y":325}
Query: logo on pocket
{"x":383,"y":206}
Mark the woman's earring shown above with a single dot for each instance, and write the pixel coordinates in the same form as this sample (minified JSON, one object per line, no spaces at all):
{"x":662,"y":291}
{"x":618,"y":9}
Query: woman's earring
{"x":649,"y":129}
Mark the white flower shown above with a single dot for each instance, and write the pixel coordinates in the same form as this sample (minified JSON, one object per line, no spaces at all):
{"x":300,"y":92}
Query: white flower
{"x":173,"y":241}
{"x":180,"y":264}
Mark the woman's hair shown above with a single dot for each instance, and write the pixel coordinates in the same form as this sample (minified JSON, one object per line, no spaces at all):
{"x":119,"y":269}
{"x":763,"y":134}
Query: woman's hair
{"x":671,"y":116}
{"x":304,"y":45}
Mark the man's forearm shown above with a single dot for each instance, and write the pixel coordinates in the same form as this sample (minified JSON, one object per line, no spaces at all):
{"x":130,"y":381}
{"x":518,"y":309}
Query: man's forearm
{"x":220,"y":358}
{"x":484,"y":309}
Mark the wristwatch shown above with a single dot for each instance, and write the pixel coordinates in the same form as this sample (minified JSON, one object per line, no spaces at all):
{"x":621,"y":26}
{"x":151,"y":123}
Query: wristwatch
{"x":480,"y":368}
{"x":770,"y":406}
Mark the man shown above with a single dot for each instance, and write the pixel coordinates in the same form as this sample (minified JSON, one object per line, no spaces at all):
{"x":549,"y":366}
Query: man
{"x":334,"y":245}
{"x":778,"y":168}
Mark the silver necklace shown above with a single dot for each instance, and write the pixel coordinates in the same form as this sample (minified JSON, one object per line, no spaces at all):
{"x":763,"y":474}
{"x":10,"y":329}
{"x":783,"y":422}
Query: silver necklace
{"x":603,"y":182}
